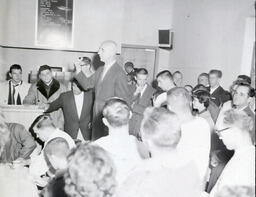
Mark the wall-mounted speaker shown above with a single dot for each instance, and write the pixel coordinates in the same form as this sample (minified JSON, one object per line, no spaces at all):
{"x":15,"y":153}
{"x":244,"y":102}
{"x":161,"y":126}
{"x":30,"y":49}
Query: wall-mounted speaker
{"x":165,"y":38}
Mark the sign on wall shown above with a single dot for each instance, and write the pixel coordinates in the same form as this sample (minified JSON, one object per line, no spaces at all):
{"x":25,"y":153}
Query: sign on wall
{"x":54,"y":23}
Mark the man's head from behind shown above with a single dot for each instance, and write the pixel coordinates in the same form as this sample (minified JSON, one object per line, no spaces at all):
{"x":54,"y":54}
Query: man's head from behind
{"x":107,"y":51}
{"x":56,"y":152}
{"x":160,"y":129}
{"x":141,"y":76}
{"x":15,"y":73}
{"x":116,"y":113}
{"x":45,"y":74}
{"x":43,"y":126}
{"x":165,"y":80}
{"x":179,"y":100}
{"x":214,"y":77}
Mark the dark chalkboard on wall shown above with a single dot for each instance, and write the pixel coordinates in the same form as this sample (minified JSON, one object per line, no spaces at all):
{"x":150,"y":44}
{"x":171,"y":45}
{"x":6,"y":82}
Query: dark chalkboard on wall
{"x":54,"y":23}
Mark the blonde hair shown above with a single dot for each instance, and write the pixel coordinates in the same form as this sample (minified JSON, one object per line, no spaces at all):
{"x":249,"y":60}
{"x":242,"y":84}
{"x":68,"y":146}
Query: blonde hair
{"x":90,"y":172}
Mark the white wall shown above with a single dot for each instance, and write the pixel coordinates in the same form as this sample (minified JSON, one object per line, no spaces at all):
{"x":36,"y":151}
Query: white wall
{"x":129,"y":22}
{"x":209,"y":34}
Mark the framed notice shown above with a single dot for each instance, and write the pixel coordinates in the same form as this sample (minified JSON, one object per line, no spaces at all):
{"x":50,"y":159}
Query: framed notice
{"x":54,"y":23}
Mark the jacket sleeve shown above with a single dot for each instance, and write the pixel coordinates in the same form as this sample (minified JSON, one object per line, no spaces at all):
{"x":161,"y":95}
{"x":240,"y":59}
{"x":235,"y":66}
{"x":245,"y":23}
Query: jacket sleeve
{"x":122,"y":89}
{"x":26,"y":140}
{"x":55,"y":105}
{"x":87,"y":82}
{"x":31,"y":96}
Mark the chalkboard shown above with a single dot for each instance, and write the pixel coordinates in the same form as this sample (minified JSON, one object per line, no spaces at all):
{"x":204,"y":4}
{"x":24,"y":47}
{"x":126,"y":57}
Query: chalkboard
{"x":54,"y":23}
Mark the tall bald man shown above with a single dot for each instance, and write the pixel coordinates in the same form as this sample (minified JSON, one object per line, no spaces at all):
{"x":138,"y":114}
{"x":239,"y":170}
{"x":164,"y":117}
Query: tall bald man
{"x":108,"y":81}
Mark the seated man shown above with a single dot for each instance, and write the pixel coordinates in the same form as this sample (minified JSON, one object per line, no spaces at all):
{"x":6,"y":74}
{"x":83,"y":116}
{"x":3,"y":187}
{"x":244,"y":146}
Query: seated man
{"x":142,"y":95}
{"x":195,"y":131}
{"x":14,"y":179}
{"x":166,"y":83}
{"x":56,"y":152}
{"x":166,"y":173}
{"x":14,"y":90}
{"x":20,"y":143}
{"x":235,"y":133}
{"x":45,"y":131}
{"x":46,"y":90}
{"x":77,"y":109}
{"x":218,"y":94}
{"x":121,"y":146}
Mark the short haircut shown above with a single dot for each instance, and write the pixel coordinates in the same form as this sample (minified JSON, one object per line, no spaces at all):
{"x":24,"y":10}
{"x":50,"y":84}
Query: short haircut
{"x":117,"y":112}
{"x":161,"y":126}
{"x":15,"y":66}
{"x":216,"y":72}
{"x":180,"y":95}
{"x":129,"y":64}
{"x":43,"y":121}
{"x":203,"y":97}
{"x":244,"y":78}
{"x":177,"y":72}
{"x":44,"y":67}
{"x":204,"y":75}
{"x":241,"y":120}
{"x":57,"y":146}
{"x":165,"y":74}
{"x":141,"y":71}
{"x":90,"y":172}
{"x":86,"y":60}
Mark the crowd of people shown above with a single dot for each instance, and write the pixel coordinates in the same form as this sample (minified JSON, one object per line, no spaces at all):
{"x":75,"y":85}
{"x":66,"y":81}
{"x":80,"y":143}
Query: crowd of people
{"x":115,"y":135}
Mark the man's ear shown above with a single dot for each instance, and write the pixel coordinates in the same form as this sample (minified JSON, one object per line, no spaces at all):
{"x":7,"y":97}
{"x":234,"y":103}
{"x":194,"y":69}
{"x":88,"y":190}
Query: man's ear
{"x":10,"y":74}
{"x":104,"y":120}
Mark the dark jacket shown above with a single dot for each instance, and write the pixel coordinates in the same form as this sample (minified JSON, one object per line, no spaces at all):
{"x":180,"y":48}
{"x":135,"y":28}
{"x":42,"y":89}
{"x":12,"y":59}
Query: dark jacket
{"x":114,"y":84}
{"x":20,"y":145}
{"x":220,"y":96}
{"x":72,"y":123}
{"x":138,"y":109}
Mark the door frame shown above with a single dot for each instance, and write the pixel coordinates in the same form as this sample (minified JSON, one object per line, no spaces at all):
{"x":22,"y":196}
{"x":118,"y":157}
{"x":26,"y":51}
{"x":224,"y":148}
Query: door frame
{"x":145,"y":47}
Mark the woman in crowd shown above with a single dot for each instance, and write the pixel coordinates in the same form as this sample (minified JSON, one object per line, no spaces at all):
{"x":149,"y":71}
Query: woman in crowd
{"x":90,"y":172}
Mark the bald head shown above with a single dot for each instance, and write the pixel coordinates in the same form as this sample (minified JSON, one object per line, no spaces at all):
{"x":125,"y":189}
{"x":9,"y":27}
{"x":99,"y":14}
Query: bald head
{"x":107,"y":51}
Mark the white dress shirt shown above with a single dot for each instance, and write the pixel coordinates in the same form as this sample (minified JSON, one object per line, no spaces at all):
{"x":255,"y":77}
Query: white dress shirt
{"x":79,"y":100}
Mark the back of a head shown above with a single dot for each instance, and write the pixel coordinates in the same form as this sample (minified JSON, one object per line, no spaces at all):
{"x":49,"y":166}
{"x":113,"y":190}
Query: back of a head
{"x":58,"y":147}
{"x":117,"y":112}
{"x":179,"y":100}
{"x":91,"y":172}
{"x":244,"y":78}
{"x":161,"y":126}
{"x":43,"y":121}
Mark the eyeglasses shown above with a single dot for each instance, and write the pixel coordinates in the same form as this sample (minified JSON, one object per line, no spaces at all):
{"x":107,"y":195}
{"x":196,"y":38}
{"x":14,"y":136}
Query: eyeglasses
{"x":221,"y":130}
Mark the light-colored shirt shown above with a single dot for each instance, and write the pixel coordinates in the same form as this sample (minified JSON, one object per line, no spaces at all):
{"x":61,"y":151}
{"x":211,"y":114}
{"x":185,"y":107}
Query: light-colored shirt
{"x":160,"y":100}
{"x":195,"y":144}
{"x":79,"y":100}
{"x":162,"y":177}
{"x":123,"y":150}
{"x":239,"y":171}
{"x":106,"y":69}
{"x":38,"y":164}
{"x":213,"y":89}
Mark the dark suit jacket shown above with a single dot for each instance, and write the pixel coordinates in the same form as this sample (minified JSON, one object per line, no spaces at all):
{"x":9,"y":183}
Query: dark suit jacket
{"x":114,"y":84}
{"x":139,"y":108}
{"x":220,"y":96}
{"x":72,"y":123}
